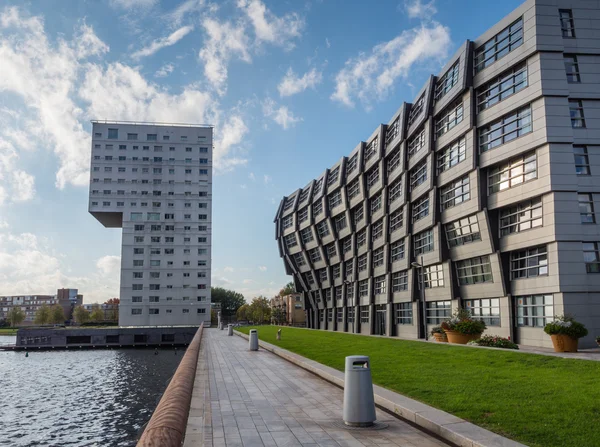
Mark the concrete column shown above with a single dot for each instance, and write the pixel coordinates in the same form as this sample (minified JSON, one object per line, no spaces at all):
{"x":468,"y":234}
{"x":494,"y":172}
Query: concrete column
{"x":356,"y":319}
{"x":389,"y":319}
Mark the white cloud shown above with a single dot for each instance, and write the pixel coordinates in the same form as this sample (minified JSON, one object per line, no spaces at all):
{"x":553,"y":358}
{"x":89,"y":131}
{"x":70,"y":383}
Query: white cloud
{"x":187,"y":7}
{"x":109,"y":265}
{"x":3,"y":225}
{"x":243,"y":186}
{"x":327,"y":43}
{"x":163,"y":42}
{"x":225,"y":40}
{"x":248,"y":281}
{"x":270,"y":28}
{"x":292,"y":84}
{"x":267,"y":179}
{"x":370,"y":77}
{"x":164,"y":71}
{"x":23,"y":186}
{"x":228,"y":269}
{"x":131,"y":4}
{"x":262,"y":268}
{"x":16,"y":185}
{"x":252,"y":177}
{"x":418,"y":9}
{"x":281,"y":115}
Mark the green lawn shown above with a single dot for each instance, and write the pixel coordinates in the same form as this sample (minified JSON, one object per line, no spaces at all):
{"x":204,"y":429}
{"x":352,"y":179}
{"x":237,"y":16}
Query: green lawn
{"x":10,"y":331}
{"x":537,"y":400}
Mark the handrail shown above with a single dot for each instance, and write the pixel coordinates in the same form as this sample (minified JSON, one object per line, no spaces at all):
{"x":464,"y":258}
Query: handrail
{"x":167,"y":425}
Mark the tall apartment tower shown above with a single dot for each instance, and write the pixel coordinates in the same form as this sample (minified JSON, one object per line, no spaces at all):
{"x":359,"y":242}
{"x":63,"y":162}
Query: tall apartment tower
{"x":155,"y":181}
{"x":485,"y":190}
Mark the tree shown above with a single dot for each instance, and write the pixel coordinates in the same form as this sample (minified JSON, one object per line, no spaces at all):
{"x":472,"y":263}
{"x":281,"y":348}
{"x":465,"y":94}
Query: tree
{"x":97,"y":313}
{"x":114,"y":312}
{"x":288,"y":289}
{"x":81,"y":315}
{"x":242,"y":313}
{"x":260,"y":310}
{"x":278,"y":316}
{"x":230,"y":300}
{"x":15,"y":316}
{"x":57,"y":314}
{"x":42,"y":316}
{"x":214,"y":317}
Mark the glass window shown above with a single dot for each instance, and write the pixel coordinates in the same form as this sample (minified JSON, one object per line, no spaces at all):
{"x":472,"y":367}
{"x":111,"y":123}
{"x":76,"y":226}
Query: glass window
{"x":487,"y":310}
{"x":452,"y":155}
{"x":394,"y":160}
{"x":397,"y":250}
{"x":361,"y":237}
{"x":474,"y":271}
{"x":378,"y":257}
{"x":455,"y":193}
{"x":418,"y":175}
{"x":499,"y":46}
{"x":287,"y":221}
{"x":289,"y":202}
{"x":376,"y":204}
{"x":317,"y":208}
{"x":349,"y":267}
{"x":353,"y":189}
{"x":352,"y":164}
{"x":416,"y":143}
{"x":529,"y":263}
{"x":363,"y":288}
{"x":377,"y":230}
{"x":576,"y":111}
{"x":306,"y":235}
{"x":500,"y":88}
{"x":438,"y":311}
{"x":567,"y":25}
{"x":380,"y":285}
{"x":371,"y":148}
{"x":396,"y":220}
{"x":446,"y":82}
{"x":372,"y":177}
{"x":416,"y":109}
{"x":400,"y":281}
{"x":322,"y":229}
{"x":449,"y":119}
{"x":341,"y":222}
{"x":336,"y":271}
{"x":362,"y":263}
{"x":335,"y":199}
{"x":505,"y":129}
{"x":423,"y":242}
{"x":515,"y":172}
{"x":304,"y":195}
{"x":572,"y":68}
{"x":535,"y":310}
{"x":586,"y":208}
{"x":333,"y":176}
{"x":433,"y":276}
{"x":347,"y":244}
{"x":113,"y":134}
{"x":582,"y":162}
{"x":395,"y":191}
{"x":303,"y":215}
{"x":591,"y":256}
{"x":364,"y":314}
{"x":463,"y":231}
{"x":315,"y":255}
{"x":521,"y":217}
{"x":358,"y":214}
{"x":420,"y":208}
{"x":392,"y":132}
{"x":331,"y":250}
{"x":299,"y":259}
{"x":403,"y":313}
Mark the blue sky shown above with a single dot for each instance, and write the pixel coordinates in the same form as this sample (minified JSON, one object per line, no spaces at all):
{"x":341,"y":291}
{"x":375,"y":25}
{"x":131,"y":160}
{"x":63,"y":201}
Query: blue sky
{"x":290,"y":87}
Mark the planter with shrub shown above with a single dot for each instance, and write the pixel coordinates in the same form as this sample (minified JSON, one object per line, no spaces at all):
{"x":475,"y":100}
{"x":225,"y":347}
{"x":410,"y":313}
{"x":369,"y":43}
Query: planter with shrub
{"x":462,"y":327}
{"x":439,"y":334}
{"x":598,"y":340}
{"x":494,"y":341}
{"x":565,"y":333}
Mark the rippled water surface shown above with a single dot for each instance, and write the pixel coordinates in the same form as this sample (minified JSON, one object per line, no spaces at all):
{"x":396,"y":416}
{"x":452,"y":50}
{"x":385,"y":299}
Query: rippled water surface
{"x":80,"y":398}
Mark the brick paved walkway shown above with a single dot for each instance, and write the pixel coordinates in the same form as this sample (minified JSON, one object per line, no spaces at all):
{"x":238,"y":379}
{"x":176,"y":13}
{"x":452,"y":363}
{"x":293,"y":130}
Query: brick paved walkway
{"x":259,"y":399}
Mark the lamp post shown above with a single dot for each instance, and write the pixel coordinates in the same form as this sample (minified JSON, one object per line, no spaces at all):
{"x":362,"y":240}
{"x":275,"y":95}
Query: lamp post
{"x":422,"y":296}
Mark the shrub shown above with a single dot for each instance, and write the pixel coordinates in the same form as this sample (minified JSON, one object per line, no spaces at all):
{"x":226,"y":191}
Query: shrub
{"x":463,"y":323}
{"x":566,"y":325}
{"x":598,"y":339}
{"x":439,"y":330}
{"x":493,"y":341}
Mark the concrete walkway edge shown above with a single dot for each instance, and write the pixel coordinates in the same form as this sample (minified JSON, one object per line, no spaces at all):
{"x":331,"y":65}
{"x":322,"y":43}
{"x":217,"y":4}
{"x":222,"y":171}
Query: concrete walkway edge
{"x":448,"y":427}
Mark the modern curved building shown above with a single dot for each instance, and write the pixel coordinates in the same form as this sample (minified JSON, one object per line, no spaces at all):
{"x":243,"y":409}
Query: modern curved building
{"x":482,"y":189}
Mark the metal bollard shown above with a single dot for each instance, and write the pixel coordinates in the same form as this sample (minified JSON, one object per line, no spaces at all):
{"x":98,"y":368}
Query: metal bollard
{"x":359,"y":403}
{"x":230,"y":329}
{"x":253,"y":340}
{"x":221,"y":327}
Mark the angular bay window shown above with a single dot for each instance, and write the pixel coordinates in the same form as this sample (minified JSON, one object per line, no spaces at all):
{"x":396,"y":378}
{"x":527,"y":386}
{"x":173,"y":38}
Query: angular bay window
{"x":353,"y":189}
{"x":455,"y":193}
{"x":376,"y":204}
{"x":438,"y":311}
{"x":352,"y":164}
{"x":452,"y":116}
{"x":361,"y":237}
{"x":446,"y":82}
{"x":322,"y":229}
{"x":335,"y":199}
{"x":392,"y":132}
{"x":420,"y":208}
{"x":362,"y":263}
{"x":307,"y":236}
{"x":395,"y":191}
{"x":586,"y":208}
{"x":371,"y":148}
{"x":416,"y":143}
{"x":486,"y":310}
{"x":474,"y":271}
{"x":591,"y":256}
{"x":572,"y":68}
{"x":290,"y":241}
{"x":500,"y":88}
{"x":363,"y":289}
{"x":418,"y":175}
{"x":341,"y":222}
{"x":393,"y":162}
{"x":333,"y":176}
{"x":535,"y":310}
{"x":397,"y":251}
{"x":529,"y":263}
{"x":423,"y":242}
{"x":304,"y":195}
{"x":463,"y":231}
{"x":315,"y":255}
{"x":303,"y":215}
{"x":505,"y":129}
{"x":416,"y":109}
{"x":567,"y":24}
{"x":357,"y":214}
{"x":576,"y":112}
{"x":400,"y":281}
{"x":499,"y":46}
{"x":512,"y":173}
{"x":380,"y":285}
{"x":372,"y":177}
{"x":521,"y":217}
{"x":287,"y":222}
{"x":377,"y":230}
{"x":452,"y":155}
{"x":396,"y":220}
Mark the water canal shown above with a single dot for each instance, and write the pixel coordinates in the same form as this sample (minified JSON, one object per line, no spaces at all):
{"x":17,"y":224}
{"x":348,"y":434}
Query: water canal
{"x":80,"y":398}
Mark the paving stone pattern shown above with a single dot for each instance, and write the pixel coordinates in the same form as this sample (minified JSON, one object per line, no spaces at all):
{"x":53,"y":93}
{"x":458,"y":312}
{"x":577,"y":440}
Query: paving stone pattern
{"x":250,"y":399}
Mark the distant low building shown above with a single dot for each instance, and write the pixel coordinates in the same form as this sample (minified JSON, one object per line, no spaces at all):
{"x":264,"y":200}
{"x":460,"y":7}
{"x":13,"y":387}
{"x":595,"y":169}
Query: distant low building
{"x":111,"y":311}
{"x":66,"y":298}
{"x":292,"y":307}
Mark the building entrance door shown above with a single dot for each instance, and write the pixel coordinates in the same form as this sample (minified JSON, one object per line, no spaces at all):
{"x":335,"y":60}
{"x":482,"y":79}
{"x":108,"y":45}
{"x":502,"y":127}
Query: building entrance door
{"x":380,"y":315}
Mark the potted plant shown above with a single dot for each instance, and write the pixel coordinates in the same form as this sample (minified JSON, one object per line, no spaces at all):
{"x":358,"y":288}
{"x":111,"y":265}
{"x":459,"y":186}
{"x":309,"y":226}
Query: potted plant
{"x":439,"y":334}
{"x":462,"y":327}
{"x":565,"y":333}
{"x":598,"y":340}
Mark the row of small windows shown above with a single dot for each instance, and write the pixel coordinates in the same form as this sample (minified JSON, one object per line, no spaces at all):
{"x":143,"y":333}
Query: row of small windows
{"x":156,"y":275}
{"x":113,"y":134}
{"x":123,"y":147}
{"x":156,"y":299}
{"x":157,"y":287}
{"x":171,"y":171}
{"x":167,"y":251}
{"x":157,"y":263}
{"x":155,"y":227}
{"x":151,"y":311}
